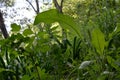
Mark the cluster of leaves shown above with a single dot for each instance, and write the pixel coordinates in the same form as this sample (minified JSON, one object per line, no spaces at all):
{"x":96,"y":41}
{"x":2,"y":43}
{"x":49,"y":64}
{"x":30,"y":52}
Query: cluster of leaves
{"x":44,"y":52}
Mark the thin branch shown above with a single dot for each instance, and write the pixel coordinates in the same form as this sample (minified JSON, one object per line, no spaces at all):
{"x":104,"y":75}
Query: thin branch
{"x":58,"y":7}
{"x":32,"y":6}
{"x":37,"y":6}
{"x":56,"y":4}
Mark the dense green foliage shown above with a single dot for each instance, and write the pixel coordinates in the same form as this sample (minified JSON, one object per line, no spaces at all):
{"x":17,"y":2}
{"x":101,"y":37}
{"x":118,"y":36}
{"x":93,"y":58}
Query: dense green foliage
{"x":88,"y":50}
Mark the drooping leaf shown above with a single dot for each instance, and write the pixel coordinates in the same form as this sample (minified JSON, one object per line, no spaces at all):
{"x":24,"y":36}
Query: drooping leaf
{"x":53,"y":15}
{"x":98,"y":40}
{"x":15,"y":27}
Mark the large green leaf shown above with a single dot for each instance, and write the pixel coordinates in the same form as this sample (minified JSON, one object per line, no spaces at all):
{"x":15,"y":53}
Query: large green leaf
{"x":98,"y":40}
{"x":53,"y":15}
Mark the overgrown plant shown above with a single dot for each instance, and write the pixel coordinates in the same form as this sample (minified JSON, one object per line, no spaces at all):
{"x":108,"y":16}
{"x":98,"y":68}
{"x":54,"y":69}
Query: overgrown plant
{"x":41,"y":53}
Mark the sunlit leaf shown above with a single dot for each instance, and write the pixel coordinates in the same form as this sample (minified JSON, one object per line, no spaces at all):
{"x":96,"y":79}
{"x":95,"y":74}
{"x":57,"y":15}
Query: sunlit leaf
{"x":84,"y":64}
{"x":15,"y":27}
{"x":98,"y":40}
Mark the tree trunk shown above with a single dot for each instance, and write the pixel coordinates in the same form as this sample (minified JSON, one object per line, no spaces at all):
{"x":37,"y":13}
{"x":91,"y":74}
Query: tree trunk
{"x":2,"y":27}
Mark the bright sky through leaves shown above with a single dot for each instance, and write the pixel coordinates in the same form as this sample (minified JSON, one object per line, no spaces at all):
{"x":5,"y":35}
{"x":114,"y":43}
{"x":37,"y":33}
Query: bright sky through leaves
{"x":20,"y":13}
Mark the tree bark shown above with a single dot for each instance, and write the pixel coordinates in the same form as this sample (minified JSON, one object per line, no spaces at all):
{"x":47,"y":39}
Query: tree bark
{"x":2,"y":26}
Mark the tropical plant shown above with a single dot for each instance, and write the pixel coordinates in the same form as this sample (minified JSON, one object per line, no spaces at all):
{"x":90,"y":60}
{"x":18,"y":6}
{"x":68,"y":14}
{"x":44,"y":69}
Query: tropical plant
{"x":41,"y":52}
